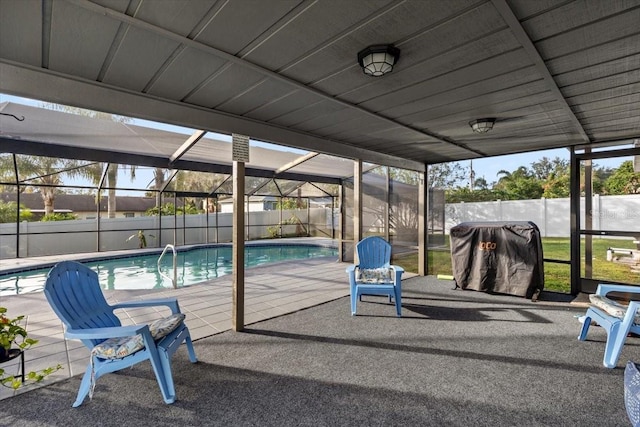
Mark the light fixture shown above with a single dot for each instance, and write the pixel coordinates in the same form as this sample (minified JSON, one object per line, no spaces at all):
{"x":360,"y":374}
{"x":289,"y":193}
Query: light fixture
{"x":379,"y":59}
{"x":482,"y":125}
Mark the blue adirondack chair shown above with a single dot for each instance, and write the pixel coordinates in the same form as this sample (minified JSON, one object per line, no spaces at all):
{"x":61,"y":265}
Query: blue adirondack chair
{"x":74,"y":293}
{"x":615,"y":318}
{"x":374,"y":275}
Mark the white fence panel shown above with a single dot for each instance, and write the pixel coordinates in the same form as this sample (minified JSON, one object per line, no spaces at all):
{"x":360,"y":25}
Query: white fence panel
{"x":77,"y":236}
{"x":552,"y":216}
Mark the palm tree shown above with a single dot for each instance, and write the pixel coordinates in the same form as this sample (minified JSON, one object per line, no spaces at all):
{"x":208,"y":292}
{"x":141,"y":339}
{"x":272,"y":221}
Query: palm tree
{"x":43,"y":173}
{"x":94,"y":173}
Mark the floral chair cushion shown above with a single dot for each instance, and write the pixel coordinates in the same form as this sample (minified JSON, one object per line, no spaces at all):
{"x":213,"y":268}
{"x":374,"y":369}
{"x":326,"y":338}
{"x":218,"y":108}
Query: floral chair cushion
{"x":375,"y":275}
{"x":119,"y":347}
{"x":611,"y":307}
{"x":116,"y":348}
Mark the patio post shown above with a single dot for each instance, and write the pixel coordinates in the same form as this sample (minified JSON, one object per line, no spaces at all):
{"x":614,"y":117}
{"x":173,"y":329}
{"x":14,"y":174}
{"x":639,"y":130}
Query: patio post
{"x":423,"y":210}
{"x":357,"y":205}
{"x":237,"y":310}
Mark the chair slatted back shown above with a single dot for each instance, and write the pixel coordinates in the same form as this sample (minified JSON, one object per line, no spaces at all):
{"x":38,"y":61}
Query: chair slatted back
{"x":373,"y":252}
{"x":74,"y":293}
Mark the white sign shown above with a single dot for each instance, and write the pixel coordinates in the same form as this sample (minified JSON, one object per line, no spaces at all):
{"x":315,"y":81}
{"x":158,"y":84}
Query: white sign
{"x":240,"y":147}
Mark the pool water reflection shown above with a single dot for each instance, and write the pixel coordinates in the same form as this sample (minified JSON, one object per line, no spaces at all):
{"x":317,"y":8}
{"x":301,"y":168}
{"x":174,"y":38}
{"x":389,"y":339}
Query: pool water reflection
{"x":194,"y":266}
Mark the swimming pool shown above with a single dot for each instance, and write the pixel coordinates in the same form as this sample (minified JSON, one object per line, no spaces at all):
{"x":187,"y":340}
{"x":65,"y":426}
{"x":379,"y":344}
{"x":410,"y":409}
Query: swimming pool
{"x":195,"y":265}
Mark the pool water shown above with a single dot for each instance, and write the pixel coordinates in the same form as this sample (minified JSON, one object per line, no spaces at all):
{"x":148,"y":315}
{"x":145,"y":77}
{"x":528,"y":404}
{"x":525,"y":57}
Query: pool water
{"x":194,"y":266}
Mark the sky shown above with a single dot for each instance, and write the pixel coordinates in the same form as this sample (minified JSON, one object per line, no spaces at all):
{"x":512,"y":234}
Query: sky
{"x":486,"y":168}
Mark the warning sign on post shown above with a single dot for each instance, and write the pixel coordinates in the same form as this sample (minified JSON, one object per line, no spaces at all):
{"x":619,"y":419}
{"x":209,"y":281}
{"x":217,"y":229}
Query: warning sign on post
{"x":240,"y":147}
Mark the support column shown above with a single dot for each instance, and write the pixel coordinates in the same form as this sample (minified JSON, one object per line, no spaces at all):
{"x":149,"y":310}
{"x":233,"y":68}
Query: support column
{"x":387,"y":207}
{"x":423,"y":215}
{"x":357,"y":205}
{"x":588,"y":216}
{"x":237,"y":315}
{"x":574,"y":185}
{"x":341,"y":219}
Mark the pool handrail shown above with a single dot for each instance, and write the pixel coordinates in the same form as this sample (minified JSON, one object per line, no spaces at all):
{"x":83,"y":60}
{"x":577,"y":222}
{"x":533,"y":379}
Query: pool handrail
{"x":174,"y":281}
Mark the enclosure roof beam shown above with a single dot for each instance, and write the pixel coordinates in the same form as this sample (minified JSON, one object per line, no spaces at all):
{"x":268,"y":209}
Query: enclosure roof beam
{"x":174,"y":172}
{"x":295,"y":163}
{"x":186,"y":146}
{"x":23,"y":146}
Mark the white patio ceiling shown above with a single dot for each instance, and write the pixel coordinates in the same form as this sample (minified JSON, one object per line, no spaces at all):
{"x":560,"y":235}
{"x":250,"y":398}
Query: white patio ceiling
{"x":554,"y":73}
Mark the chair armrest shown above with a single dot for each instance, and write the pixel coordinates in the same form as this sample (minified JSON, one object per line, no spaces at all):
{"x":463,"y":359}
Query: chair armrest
{"x":397,"y":268}
{"x":604,"y":289}
{"x":98,"y":333}
{"x":351,"y":268}
{"x":172,"y":303}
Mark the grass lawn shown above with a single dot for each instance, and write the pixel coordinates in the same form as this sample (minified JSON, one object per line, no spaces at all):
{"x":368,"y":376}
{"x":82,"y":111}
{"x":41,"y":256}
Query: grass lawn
{"x":557,"y":277}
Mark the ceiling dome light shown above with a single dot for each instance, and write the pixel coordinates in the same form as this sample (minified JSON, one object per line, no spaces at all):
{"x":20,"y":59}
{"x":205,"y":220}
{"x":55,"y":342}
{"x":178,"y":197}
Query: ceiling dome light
{"x":378,"y":60}
{"x":482,"y":125}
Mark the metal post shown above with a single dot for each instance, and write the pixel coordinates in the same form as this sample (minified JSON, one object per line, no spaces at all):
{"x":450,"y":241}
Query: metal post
{"x":387,"y":207}
{"x":423,"y":213}
{"x":237,"y":317}
{"x":15,"y":171}
{"x":574,"y":184}
{"x":341,"y":256}
{"x":206,"y":220}
{"x":280,"y":221}
{"x":357,"y":205}
{"x":588,"y":217}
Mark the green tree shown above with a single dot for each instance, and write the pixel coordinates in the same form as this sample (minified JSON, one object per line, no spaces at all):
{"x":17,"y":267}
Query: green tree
{"x":94,"y":173}
{"x":170,"y":209}
{"x":8,"y":211}
{"x":556,"y":185}
{"x":600,"y":176}
{"x":623,"y":181}
{"x":545,"y":167}
{"x":480,"y":184}
{"x":59,"y":216}
{"x":42,"y":173}
{"x":446,"y":175}
{"x":404,"y":176}
{"x":465,"y":194}
{"x":520,"y":184}
{"x":291,"y":203}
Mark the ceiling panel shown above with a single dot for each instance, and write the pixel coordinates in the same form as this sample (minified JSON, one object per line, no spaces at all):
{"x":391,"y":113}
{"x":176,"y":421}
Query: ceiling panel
{"x":612,"y":94}
{"x":303,"y":114}
{"x":140,"y":50}
{"x":586,"y":36}
{"x":227,"y":81}
{"x":256,"y":96}
{"x":487,"y":89}
{"x":175,"y":15}
{"x":286,"y":72}
{"x":21,"y":32}
{"x":572,"y":15}
{"x":535,"y":93}
{"x":184,"y":73}
{"x":596,"y":55}
{"x":310,"y":30}
{"x":622,"y":66}
{"x":80,"y":40}
{"x":235,"y":25}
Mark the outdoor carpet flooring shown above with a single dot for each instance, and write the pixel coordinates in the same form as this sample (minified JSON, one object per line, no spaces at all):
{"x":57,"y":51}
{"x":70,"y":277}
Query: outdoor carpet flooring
{"x":455,"y":358}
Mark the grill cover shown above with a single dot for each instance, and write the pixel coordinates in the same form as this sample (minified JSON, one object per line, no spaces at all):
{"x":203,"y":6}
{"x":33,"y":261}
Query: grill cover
{"x":497,"y":256}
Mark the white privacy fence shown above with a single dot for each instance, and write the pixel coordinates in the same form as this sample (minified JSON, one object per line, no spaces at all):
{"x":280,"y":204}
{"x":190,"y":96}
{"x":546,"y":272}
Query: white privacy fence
{"x":77,"y":236}
{"x":552,"y":216}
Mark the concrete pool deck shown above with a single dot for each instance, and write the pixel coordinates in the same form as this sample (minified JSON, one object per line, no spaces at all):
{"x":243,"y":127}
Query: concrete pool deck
{"x":270,"y":291}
